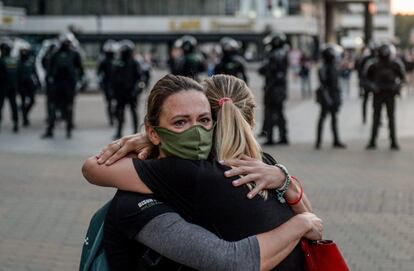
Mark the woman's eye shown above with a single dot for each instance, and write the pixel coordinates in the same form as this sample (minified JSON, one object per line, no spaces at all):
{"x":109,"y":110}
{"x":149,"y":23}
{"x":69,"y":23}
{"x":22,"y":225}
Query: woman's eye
{"x":179,"y":123}
{"x":205,"y":120}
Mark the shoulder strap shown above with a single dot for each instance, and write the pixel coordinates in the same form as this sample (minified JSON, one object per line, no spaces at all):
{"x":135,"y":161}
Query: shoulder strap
{"x":92,"y":247}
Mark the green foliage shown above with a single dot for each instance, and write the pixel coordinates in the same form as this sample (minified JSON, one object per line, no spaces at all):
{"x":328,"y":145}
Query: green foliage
{"x":404,"y":24}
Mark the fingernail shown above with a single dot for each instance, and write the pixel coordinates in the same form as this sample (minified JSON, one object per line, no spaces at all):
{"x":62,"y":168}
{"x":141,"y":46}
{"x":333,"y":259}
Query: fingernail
{"x":221,"y":161}
{"x":249,"y":196}
{"x":235,"y":182}
{"x":226,"y":173}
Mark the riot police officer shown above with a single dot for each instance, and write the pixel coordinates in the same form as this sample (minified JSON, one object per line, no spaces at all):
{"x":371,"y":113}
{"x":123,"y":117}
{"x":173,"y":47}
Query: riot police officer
{"x":105,"y":69}
{"x":274,"y":70}
{"x":50,"y":49}
{"x":126,"y":85}
{"x":65,"y":71}
{"x":385,"y":75}
{"x":8,"y":82}
{"x":329,"y":94}
{"x":27,"y":81}
{"x":231,"y":63}
{"x":189,"y":62}
{"x":368,"y":54}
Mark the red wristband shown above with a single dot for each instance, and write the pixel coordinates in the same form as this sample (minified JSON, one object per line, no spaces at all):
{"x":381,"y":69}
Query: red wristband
{"x":296,"y":201}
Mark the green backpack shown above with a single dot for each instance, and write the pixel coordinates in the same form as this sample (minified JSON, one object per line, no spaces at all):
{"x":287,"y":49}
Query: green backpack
{"x":93,"y":256}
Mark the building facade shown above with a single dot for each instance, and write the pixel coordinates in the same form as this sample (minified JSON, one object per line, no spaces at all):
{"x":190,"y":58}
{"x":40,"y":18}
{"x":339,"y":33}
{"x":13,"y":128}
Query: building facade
{"x":351,"y":23}
{"x":163,"y":21}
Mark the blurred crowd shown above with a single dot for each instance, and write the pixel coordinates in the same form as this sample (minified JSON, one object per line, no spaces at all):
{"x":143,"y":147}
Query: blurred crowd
{"x":57,"y":69}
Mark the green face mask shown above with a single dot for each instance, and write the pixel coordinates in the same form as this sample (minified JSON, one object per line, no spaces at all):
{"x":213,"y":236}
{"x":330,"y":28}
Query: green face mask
{"x":194,"y":143}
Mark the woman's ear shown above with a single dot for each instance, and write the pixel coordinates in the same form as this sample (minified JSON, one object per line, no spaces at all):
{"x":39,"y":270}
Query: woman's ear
{"x":152,"y":135}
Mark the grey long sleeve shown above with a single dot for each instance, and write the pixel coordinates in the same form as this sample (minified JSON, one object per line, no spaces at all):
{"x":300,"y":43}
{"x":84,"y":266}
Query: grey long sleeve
{"x":191,"y":245}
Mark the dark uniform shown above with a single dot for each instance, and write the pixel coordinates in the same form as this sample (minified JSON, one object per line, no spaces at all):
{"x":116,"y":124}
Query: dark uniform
{"x":275,"y":70}
{"x":27,"y":82}
{"x":329,"y":94}
{"x":190,"y":63}
{"x":65,"y":71}
{"x":8,"y":83}
{"x":385,"y":75}
{"x":105,"y":69}
{"x":46,"y":60}
{"x":364,"y":90}
{"x":231,"y":63}
{"x":126,"y":86}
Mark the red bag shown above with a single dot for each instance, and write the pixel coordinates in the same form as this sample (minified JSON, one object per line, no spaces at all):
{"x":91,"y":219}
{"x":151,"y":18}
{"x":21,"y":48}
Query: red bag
{"x":323,"y":255}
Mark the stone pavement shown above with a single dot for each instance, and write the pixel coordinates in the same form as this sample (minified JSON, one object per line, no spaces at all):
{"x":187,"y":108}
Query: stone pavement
{"x":364,"y":197}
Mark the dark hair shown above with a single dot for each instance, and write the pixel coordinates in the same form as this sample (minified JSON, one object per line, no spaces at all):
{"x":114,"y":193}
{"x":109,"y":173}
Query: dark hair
{"x":165,"y":87}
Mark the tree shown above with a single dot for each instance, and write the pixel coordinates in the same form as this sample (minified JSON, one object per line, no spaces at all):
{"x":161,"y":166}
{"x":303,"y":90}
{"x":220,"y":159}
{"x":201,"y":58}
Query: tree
{"x":404,"y":25}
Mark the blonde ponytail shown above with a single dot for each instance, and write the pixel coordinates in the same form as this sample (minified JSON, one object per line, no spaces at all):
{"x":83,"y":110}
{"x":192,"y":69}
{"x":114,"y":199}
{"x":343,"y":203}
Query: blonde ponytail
{"x":234,"y":135}
{"x":234,"y":118}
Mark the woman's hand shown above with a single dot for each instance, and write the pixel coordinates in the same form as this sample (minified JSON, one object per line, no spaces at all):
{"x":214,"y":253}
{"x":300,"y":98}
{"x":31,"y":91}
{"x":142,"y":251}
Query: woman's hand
{"x":137,"y":143}
{"x":315,"y":226}
{"x":252,"y":170}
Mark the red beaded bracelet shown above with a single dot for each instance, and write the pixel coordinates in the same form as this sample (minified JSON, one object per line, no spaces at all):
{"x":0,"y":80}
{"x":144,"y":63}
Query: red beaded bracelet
{"x":296,"y":201}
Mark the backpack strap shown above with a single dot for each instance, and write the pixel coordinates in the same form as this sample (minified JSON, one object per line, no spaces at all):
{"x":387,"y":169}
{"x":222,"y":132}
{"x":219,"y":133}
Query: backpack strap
{"x":92,"y":246}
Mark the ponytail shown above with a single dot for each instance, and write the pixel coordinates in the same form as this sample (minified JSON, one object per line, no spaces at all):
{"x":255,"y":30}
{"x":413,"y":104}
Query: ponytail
{"x":232,"y":106}
{"x":234,"y":136}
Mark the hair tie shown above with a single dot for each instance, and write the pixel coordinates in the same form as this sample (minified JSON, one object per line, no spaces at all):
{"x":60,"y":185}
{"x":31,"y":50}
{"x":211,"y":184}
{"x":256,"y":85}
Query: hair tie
{"x":223,"y":100}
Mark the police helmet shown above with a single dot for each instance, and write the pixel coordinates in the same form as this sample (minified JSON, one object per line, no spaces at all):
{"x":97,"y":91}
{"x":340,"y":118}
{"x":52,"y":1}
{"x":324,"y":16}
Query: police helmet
{"x":387,"y":52}
{"x":22,"y":45}
{"x":6,"y":45}
{"x":186,"y":43}
{"x":373,"y":45}
{"x":331,"y":52}
{"x":229,"y":45}
{"x":109,"y":46}
{"x":67,"y":37}
{"x":126,"y":45}
{"x":275,"y":40}
{"x":50,"y":44}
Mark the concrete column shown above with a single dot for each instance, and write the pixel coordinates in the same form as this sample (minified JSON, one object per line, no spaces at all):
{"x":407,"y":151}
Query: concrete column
{"x":368,"y":24}
{"x":329,"y":23}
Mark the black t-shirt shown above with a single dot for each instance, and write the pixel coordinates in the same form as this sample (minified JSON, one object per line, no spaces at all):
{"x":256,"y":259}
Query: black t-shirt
{"x":201,"y":193}
{"x":127,"y":215}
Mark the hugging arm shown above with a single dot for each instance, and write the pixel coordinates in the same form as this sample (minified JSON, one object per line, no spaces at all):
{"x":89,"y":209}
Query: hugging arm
{"x":265,"y":176}
{"x":137,"y":144}
{"x":191,"y":245}
{"x":121,"y":175}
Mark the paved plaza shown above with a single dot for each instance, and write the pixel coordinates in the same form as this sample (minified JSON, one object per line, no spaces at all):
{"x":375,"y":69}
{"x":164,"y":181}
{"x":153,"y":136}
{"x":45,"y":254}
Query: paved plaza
{"x":364,"y":197}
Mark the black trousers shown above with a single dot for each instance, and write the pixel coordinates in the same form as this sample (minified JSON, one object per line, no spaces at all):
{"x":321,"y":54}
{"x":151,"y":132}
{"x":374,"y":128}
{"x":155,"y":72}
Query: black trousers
{"x":121,"y":104}
{"x":50,"y":102}
{"x":62,"y":97}
{"x":10,"y":95}
{"x":27,"y":97}
{"x":274,"y":115}
{"x":365,"y":97}
{"x":325,"y":110}
{"x":389,"y":101}
{"x":110,"y":102}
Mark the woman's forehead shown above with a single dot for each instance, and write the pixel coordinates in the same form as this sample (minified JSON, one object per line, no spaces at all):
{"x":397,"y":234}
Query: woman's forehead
{"x":186,"y":103}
